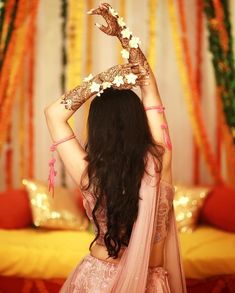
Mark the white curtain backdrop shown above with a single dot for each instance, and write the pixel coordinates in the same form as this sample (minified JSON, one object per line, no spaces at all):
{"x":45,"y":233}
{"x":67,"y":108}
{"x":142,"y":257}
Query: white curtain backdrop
{"x":104,"y":55}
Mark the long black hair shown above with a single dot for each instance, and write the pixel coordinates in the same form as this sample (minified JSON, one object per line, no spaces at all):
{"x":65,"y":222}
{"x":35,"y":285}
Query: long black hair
{"x":119,"y":139}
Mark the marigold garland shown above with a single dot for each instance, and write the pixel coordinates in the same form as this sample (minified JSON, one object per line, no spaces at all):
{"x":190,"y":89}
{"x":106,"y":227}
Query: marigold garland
{"x":10,"y":30}
{"x":88,"y":61}
{"x":75,"y":24}
{"x":228,"y":142}
{"x":64,"y":12}
{"x":152,"y":46}
{"x":198,"y":62}
{"x":190,"y":92}
{"x":7,"y":26}
{"x":9,"y":72}
{"x":2,"y":17}
{"x":21,"y":130}
{"x":220,"y":42}
{"x":30,"y":95}
{"x":218,"y":22}
{"x":12,"y":68}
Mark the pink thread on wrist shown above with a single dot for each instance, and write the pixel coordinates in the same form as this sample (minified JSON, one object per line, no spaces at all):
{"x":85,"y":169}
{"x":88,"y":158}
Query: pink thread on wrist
{"x":52,"y":171}
{"x":166,"y":136}
{"x":159,"y":108}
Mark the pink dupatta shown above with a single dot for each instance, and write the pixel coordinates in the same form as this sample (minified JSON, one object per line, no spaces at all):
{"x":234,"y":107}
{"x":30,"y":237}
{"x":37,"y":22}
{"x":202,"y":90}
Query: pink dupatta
{"x":132,"y":269}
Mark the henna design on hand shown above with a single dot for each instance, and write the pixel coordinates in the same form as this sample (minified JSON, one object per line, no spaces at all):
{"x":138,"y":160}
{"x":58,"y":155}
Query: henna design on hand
{"x":117,"y":28}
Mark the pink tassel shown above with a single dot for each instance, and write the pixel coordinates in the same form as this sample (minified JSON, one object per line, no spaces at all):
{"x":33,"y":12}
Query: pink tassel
{"x":52,"y":171}
{"x":166,"y":136}
{"x":52,"y":174}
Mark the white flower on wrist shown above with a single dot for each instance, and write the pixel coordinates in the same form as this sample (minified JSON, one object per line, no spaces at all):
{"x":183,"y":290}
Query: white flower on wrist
{"x":95,"y":87}
{"x":126,"y":33}
{"x":68,"y":104}
{"x":113,"y":12}
{"x":100,"y":92}
{"x":134,"y":42}
{"x":131,"y":78}
{"x":125,"y":54}
{"x":118,"y":80}
{"x":106,"y":85}
{"x":88,"y":78}
{"x":121,"y":22}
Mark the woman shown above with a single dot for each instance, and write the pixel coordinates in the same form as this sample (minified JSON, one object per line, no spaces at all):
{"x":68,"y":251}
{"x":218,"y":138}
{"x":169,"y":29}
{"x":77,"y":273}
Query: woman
{"x":124,"y":173}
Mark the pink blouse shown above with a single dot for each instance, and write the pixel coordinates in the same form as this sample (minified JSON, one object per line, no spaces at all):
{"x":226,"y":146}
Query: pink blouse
{"x":161,"y":226}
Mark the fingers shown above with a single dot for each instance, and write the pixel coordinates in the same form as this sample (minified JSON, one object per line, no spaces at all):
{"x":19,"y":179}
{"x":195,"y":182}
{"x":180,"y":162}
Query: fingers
{"x":138,"y":69}
{"x":102,"y":28}
{"x":94,"y":11}
{"x":130,"y":65}
{"x":100,"y":10}
{"x":142,"y":83}
{"x":105,"y":5}
{"x":143,"y":80}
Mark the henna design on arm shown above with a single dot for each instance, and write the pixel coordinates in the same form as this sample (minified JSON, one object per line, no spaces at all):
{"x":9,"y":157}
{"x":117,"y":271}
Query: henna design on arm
{"x":124,"y":76}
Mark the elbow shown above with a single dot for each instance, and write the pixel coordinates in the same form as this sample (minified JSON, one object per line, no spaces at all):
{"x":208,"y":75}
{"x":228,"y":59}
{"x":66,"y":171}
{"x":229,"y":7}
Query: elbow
{"x":49,"y":112}
{"x":46,"y":111}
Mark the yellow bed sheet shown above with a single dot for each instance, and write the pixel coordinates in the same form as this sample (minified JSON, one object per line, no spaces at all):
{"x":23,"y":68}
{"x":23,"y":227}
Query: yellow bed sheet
{"x":41,"y":253}
{"x":208,"y":252}
{"x":53,"y":254}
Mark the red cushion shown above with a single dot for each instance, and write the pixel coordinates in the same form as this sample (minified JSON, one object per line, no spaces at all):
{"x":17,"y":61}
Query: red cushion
{"x":15,"y":211}
{"x":219,"y":208}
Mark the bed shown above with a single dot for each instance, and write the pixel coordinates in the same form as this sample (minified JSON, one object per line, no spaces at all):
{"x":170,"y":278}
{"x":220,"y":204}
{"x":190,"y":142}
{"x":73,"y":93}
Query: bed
{"x":39,"y":260}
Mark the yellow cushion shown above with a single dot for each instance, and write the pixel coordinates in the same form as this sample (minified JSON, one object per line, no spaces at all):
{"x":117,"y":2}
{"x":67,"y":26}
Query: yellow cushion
{"x":58,"y":212}
{"x":188,"y":201}
{"x":38,"y":253}
{"x":207,"y":252}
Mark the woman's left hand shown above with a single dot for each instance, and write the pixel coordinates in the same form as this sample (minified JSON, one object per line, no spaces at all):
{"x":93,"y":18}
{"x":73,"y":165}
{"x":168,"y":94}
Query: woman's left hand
{"x":111,"y":18}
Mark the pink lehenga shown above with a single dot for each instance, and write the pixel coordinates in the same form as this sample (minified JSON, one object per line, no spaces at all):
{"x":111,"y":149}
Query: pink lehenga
{"x":155,"y":223}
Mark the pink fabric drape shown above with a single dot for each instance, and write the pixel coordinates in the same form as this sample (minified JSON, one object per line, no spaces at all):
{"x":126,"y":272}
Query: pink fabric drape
{"x":132,"y":270}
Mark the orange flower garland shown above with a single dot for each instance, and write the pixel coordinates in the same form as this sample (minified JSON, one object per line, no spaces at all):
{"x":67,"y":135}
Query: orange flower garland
{"x":152,"y":46}
{"x":21,"y":131}
{"x":190,"y":90}
{"x":88,"y":64}
{"x":198,"y":41}
{"x":30,"y":94}
{"x":218,"y":21}
{"x":12,"y":67}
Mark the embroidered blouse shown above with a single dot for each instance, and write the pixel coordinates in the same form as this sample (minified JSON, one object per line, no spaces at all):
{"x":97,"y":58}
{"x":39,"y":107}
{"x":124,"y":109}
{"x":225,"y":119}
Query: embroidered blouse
{"x":166,"y":194}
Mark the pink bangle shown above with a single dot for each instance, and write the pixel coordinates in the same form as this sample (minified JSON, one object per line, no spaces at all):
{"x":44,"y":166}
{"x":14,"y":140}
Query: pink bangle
{"x":56,"y":143}
{"x":52,"y":171}
{"x":159,"y":108}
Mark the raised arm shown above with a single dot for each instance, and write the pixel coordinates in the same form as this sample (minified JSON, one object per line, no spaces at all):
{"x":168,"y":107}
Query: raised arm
{"x":58,"y":113}
{"x":150,"y":94}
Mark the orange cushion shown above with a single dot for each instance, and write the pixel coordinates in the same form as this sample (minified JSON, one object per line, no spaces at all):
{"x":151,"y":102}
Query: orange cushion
{"x":219,"y":207}
{"x":15,"y":211}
